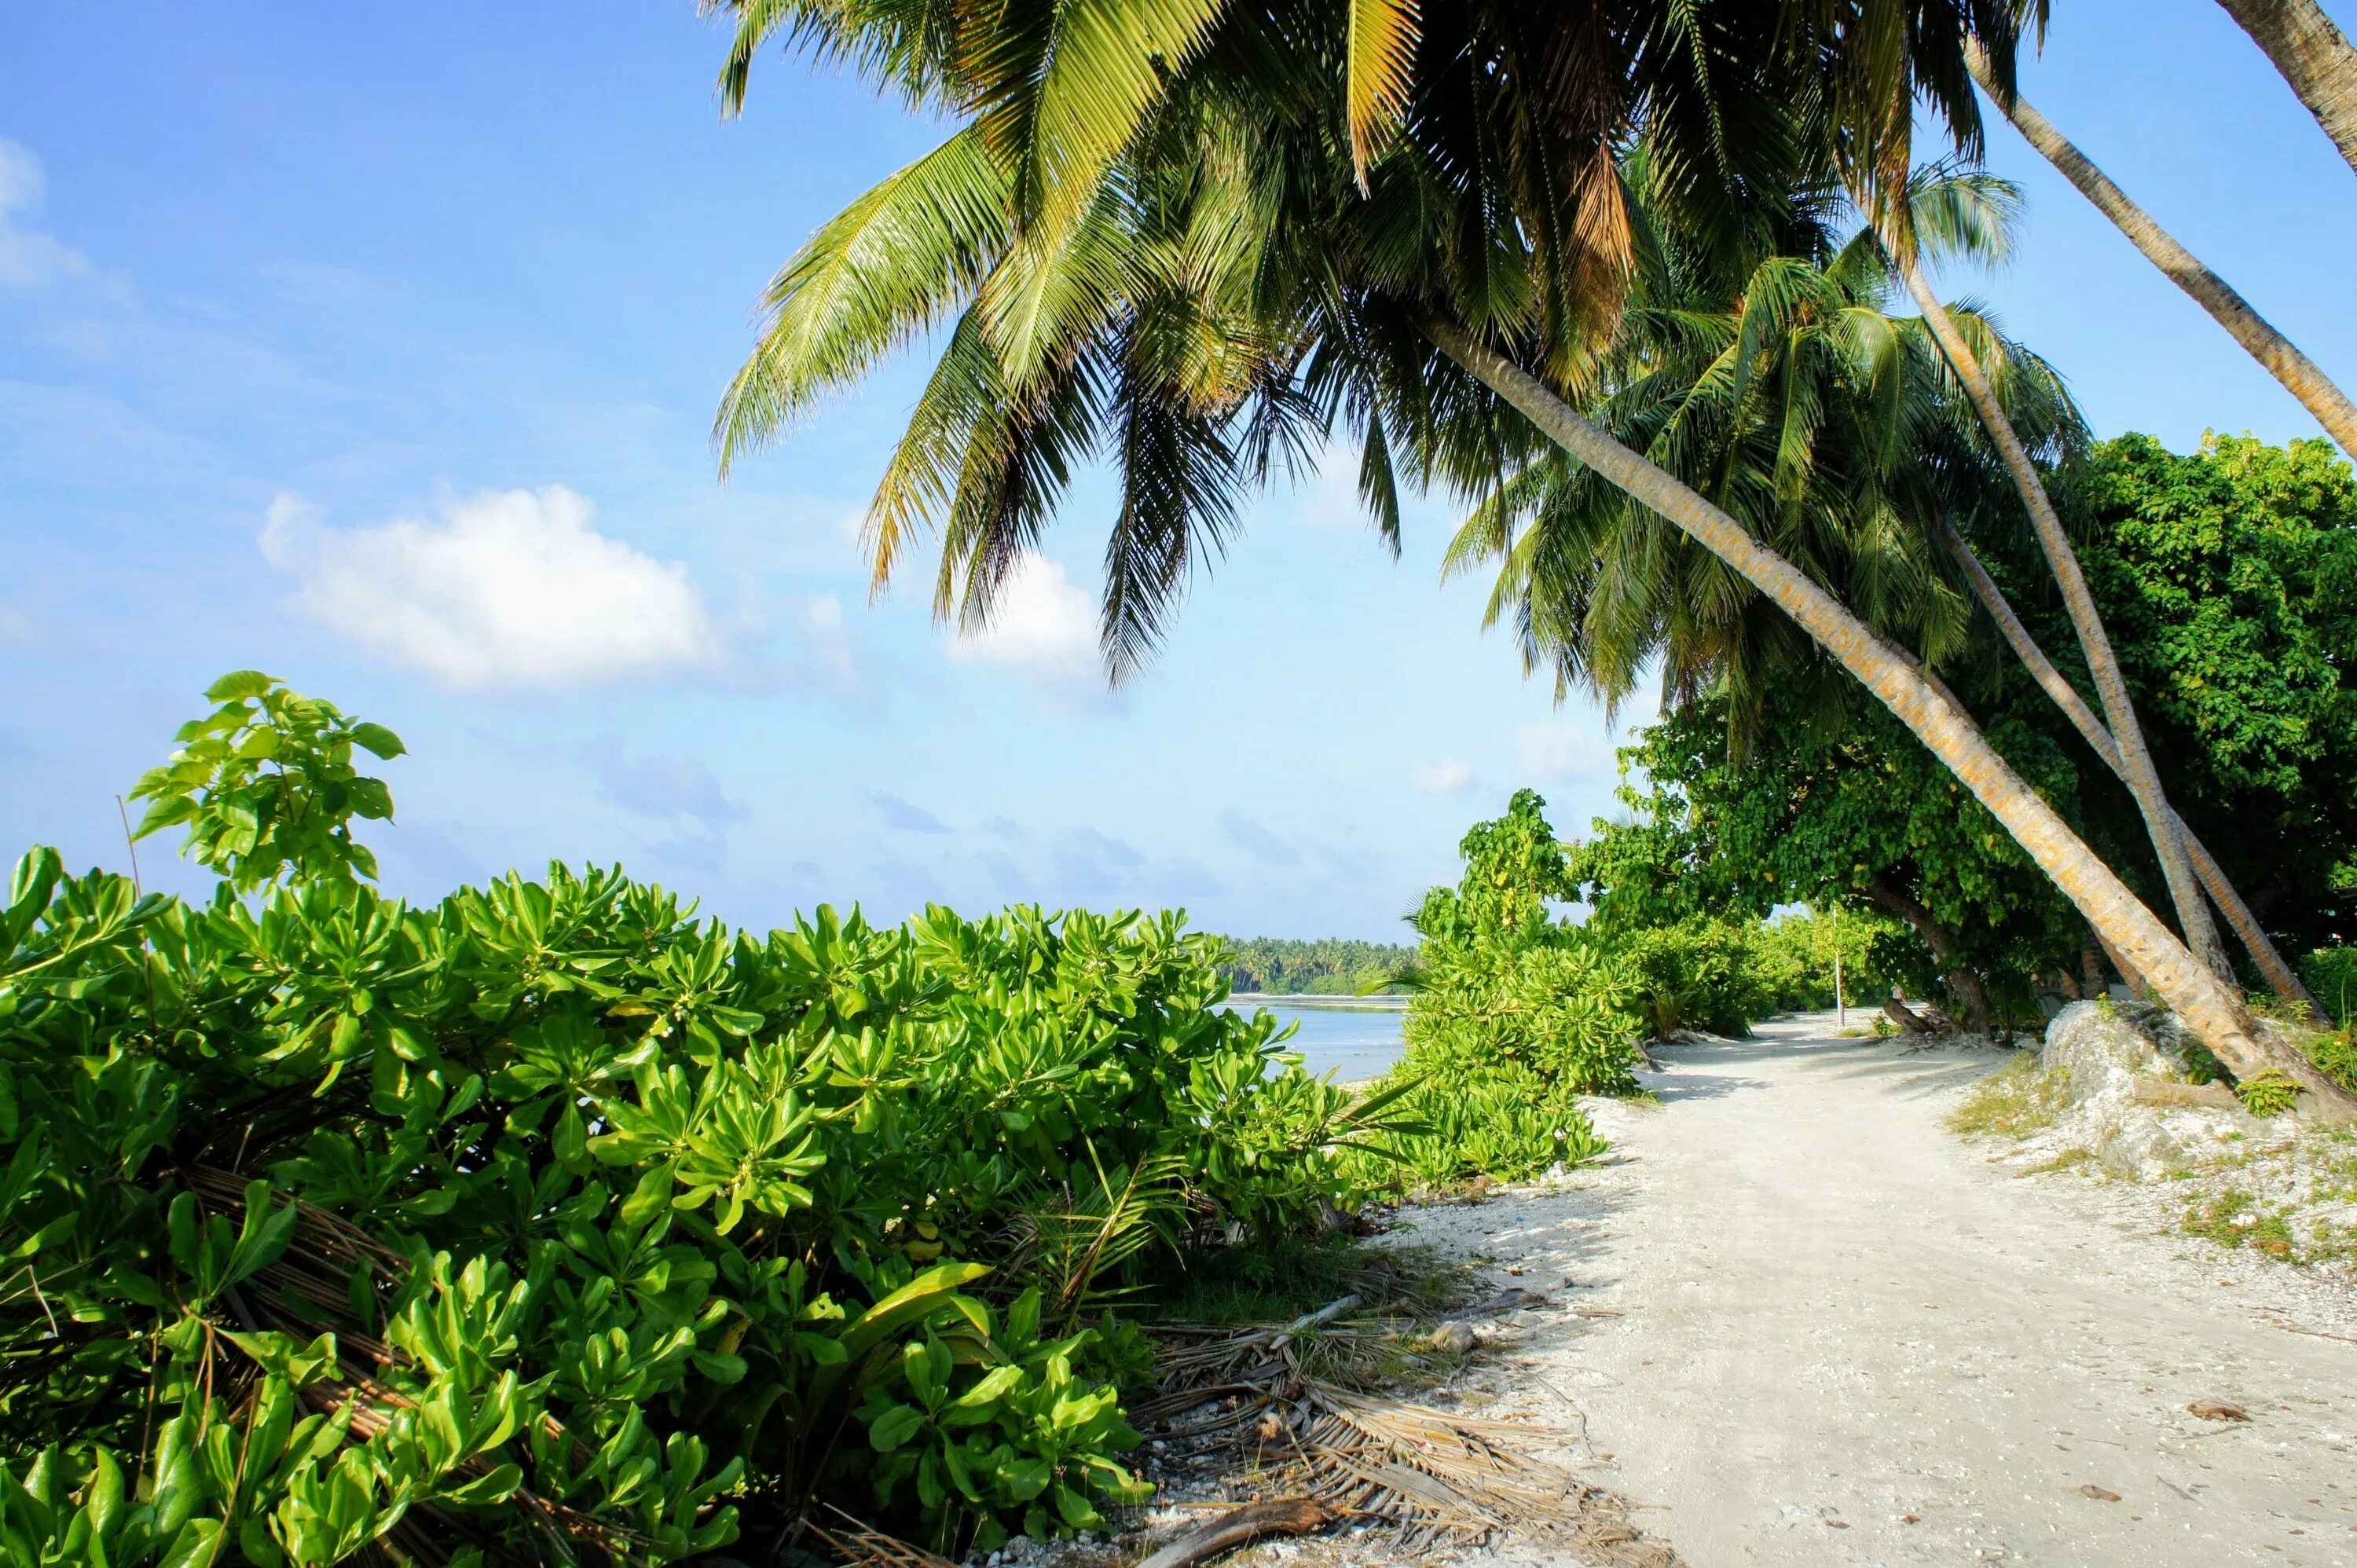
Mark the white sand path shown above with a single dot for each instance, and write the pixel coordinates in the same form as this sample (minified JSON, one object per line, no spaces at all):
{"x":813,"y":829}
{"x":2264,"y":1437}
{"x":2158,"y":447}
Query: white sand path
{"x":1832,"y":1309}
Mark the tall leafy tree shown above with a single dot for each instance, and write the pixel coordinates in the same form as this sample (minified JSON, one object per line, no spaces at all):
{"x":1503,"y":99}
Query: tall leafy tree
{"x":1151,"y":239}
{"x":1837,"y":809}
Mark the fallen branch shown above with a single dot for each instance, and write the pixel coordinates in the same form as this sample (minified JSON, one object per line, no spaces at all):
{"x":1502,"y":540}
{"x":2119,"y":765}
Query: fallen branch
{"x":1240,"y":1527}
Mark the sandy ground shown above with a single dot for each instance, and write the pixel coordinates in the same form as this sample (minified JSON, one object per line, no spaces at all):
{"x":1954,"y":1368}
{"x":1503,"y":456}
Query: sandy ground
{"x":1806,"y":1324}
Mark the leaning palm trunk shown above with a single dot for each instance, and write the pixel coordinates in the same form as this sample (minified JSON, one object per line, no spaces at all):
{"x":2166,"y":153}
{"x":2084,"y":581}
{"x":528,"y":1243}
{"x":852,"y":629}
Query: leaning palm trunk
{"x":2111,"y":685}
{"x":2313,"y":56}
{"x":2280,"y":976}
{"x":2207,"y":1004}
{"x":2297,"y":373}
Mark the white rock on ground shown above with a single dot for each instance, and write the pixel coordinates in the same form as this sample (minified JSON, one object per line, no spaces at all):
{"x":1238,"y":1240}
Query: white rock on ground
{"x":1808,"y":1325}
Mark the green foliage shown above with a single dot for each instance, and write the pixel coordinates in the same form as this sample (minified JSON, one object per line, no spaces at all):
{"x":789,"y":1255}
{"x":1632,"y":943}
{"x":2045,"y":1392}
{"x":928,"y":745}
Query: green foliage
{"x":2331,"y":974}
{"x":2269,"y":1093}
{"x":1277,"y":966}
{"x":264,"y":785}
{"x":1515,"y":866}
{"x":1515,"y":1016}
{"x":1700,"y":973}
{"x":1792,"y":957}
{"x":554,"y":1223}
{"x":1842,"y":810}
{"x":2335,"y":1055}
{"x":2228,"y":579}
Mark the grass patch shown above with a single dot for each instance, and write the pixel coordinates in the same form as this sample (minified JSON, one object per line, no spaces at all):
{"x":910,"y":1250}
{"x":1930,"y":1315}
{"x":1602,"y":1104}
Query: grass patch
{"x":2068,"y":1160}
{"x":2018,"y":1099}
{"x":2233,"y":1218}
{"x":2236,"y":1219}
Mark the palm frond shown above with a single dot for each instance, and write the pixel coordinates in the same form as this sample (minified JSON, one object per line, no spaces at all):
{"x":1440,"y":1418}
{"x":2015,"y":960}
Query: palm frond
{"x":1380,"y":55}
{"x":885,"y":270}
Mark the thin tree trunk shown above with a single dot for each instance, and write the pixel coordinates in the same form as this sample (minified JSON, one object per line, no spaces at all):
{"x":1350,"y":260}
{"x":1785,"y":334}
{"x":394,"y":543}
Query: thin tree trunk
{"x":2281,"y":978}
{"x":1909,"y":1022}
{"x":1978,"y":1014}
{"x":2091,"y":967}
{"x":2208,"y":1006}
{"x":2315,"y":389}
{"x":2313,"y":56}
{"x":2143,"y":779}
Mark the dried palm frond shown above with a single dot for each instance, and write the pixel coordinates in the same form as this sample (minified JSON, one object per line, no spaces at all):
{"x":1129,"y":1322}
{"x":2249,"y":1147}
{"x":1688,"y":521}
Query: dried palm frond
{"x":859,"y":1546}
{"x":1432,"y":1474}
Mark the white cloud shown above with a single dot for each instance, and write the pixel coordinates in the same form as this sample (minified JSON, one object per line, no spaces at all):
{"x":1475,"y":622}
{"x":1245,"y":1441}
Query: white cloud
{"x":1448,"y":776}
{"x":1046,"y":626}
{"x":28,"y":259}
{"x":1563,"y":751}
{"x":509,"y":589}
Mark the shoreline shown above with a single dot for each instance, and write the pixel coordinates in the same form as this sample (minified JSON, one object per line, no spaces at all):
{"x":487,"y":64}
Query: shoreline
{"x":1320,"y":1002}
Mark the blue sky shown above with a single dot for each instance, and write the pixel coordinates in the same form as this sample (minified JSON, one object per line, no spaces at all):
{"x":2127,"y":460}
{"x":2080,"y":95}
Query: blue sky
{"x":317,"y":321}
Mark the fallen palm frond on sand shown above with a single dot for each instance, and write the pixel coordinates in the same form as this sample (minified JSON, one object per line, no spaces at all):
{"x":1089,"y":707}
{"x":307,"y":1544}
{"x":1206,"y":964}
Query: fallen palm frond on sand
{"x":1297,"y":1402}
{"x":1300,"y":1408}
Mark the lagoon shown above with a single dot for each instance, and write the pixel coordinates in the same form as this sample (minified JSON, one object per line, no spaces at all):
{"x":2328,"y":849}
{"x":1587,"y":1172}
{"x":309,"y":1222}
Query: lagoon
{"x":1353,"y":1037}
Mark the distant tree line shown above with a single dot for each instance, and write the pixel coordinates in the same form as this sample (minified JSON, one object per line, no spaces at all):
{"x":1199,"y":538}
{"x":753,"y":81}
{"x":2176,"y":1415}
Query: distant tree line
{"x":1330,"y":966}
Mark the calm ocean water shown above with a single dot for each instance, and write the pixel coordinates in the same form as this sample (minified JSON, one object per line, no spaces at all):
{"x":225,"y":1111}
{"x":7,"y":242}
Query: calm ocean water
{"x":1353,"y":1043}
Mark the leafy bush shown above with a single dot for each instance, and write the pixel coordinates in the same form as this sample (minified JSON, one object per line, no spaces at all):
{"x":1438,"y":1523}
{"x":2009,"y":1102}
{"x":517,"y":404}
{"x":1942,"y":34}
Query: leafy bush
{"x":2269,"y":1093}
{"x":2330,"y":974}
{"x":1697,"y":974}
{"x":1514,"y":1018}
{"x":1502,"y":1040}
{"x":2335,"y":1054}
{"x":553,"y":1224}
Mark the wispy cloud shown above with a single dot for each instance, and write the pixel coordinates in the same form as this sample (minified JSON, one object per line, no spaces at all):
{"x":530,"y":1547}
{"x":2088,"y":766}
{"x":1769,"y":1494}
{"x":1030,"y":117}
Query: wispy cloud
{"x":28,"y":258}
{"x":1446,"y":776}
{"x":1561,"y":751}
{"x":904,"y":816}
{"x":1250,"y":834}
{"x":669,"y":786}
{"x":826,"y":634}
{"x":509,"y":589}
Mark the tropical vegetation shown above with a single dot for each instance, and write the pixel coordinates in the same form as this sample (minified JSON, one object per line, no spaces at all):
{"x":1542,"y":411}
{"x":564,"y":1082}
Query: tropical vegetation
{"x":1202,"y":241}
{"x":552,"y":1224}
{"x":1329,"y":966}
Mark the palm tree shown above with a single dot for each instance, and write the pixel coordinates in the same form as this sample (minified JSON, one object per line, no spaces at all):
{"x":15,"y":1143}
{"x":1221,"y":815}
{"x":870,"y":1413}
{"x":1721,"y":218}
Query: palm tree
{"x":1149,"y":237}
{"x":1833,"y":429}
{"x":2281,"y":978}
{"x":1785,"y":395}
{"x":2295,"y":371}
{"x":2313,"y":56}
{"x":2111,"y":685}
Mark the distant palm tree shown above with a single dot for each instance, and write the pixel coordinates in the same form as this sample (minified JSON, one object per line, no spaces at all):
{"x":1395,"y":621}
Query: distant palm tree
{"x":1150,"y":237}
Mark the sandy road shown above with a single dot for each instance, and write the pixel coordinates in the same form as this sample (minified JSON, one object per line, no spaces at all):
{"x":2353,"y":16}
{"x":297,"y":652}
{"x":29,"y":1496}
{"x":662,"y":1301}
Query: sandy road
{"x":1833,"y":1315}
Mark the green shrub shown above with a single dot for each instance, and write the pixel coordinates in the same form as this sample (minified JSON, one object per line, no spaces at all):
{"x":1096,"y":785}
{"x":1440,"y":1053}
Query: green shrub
{"x":2335,"y":1055}
{"x":1697,"y":974}
{"x":552,"y":1224}
{"x":1512,"y":1019}
{"x":2269,"y":1093}
{"x":2332,"y":975}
